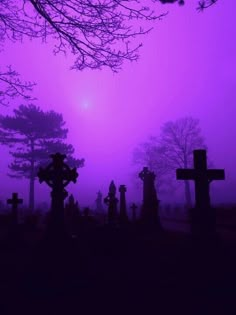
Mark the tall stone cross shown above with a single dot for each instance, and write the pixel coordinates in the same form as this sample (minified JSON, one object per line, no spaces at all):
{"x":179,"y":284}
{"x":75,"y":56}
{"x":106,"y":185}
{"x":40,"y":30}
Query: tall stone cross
{"x":14,"y":202}
{"x":57,"y":175}
{"x":112,"y":201}
{"x":123,"y":208}
{"x":202,"y":178}
{"x":144,"y":175}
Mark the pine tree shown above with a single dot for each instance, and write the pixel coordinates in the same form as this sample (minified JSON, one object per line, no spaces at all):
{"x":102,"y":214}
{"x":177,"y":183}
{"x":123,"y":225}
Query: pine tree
{"x":33,"y":135}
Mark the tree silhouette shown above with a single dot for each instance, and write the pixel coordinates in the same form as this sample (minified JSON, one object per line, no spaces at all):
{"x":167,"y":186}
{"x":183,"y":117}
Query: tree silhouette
{"x":178,"y":139}
{"x":34,"y":135}
{"x":171,"y":150}
{"x":150,"y":154}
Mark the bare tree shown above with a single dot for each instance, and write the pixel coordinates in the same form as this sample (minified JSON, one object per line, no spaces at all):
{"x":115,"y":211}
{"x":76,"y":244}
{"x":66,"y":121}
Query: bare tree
{"x":150,"y":154}
{"x":178,"y":139}
{"x":171,"y":150}
{"x":11,"y":86}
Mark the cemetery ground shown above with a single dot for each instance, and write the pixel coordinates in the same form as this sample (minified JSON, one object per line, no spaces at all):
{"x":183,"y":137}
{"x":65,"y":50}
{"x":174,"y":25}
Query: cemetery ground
{"x":75,"y":261}
{"x":117,"y":270}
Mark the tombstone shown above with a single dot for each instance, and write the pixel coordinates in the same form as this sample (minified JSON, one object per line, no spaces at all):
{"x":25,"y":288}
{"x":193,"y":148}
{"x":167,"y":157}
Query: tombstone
{"x":14,"y":202}
{"x":57,"y":175}
{"x":123,"y":217}
{"x":134,"y":214}
{"x":149,"y":210}
{"x":202,"y":215}
{"x":111,"y":201}
{"x":98,"y":201}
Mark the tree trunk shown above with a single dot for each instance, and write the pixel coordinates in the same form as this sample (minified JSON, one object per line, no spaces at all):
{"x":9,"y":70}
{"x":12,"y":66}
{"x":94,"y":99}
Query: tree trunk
{"x":31,"y":193}
{"x":32,"y":171}
{"x":188,"y":198}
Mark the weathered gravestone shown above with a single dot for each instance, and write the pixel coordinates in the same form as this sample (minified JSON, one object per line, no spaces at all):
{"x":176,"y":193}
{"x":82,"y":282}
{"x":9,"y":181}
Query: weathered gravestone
{"x":57,"y":175}
{"x":149,"y":210}
{"x":202,"y":216}
{"x":111,"y":201}
{"x":123,"y":217}
{"x":98,"y":201}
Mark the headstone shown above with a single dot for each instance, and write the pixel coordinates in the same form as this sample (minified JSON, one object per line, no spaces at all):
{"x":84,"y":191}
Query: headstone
{"x":202,"y":216}
{"x":57,"y":175}
{"x":149,"y":211}
{"x":111,"y":201}
{"x":123,"y":217}
{"x":99,"y":206}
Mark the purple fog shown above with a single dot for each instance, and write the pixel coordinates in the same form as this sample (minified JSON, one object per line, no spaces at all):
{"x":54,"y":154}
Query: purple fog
{"x":187,"y":67}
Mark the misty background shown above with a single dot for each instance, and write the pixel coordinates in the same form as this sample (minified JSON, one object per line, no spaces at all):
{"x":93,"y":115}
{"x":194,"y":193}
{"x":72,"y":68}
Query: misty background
{"x":187,"y":67}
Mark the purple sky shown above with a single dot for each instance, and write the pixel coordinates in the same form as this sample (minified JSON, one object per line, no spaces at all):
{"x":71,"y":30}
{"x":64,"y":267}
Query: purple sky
{"x":187,"y":66}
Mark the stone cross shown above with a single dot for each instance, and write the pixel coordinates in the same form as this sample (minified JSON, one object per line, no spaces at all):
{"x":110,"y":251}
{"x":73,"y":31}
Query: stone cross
{"x":57,"y":175}
{"x":145,"y":175}
{"x":123,"y":208}
{"x":14,"y":202}
{"x":112,"y":201}
{"x":202,"y":178}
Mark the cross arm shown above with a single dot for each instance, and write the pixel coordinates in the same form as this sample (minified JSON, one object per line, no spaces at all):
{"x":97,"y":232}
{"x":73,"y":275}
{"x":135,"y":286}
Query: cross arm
{"x":214,"y":174}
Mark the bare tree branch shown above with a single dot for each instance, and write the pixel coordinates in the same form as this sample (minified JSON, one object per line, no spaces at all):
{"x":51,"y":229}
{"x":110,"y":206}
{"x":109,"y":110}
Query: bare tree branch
{"x":96,"y":32}
{"x":202,"y":4}
{"x":11,"y":86}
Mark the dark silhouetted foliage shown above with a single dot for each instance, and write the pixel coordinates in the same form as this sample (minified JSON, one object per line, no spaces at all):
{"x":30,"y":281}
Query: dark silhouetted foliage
{"x":34,"y":135}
